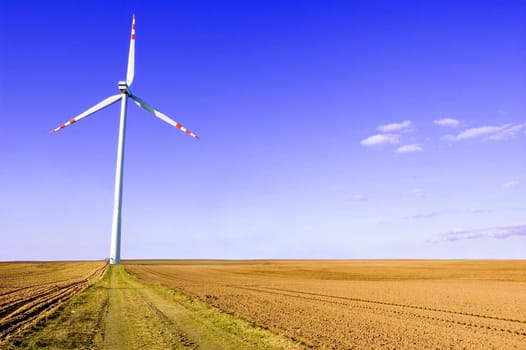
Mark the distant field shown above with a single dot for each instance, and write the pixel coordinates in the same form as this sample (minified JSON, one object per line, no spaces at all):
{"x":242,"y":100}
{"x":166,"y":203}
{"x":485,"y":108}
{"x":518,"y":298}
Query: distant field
{"x":178,"y":304}
{"x":402,"y":304}
{"x":31,"y":289}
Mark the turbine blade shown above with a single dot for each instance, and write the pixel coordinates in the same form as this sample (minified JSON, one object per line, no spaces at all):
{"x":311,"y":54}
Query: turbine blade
{"x":146,"y":106}
{"x":101,"y":105}
{"x":131,"y":56}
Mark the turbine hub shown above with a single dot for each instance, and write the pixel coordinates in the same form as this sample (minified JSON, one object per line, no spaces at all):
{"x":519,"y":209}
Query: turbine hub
{"x":124,"y":88}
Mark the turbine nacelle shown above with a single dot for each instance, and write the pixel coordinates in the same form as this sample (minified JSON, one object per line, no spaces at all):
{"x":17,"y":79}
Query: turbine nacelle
{"x":125,"y":89}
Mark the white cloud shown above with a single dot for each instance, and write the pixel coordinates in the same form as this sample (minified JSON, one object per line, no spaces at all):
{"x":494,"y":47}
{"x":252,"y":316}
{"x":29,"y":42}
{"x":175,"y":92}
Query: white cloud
{"x":511,"y":184}
{"x":428,"y":214}
{"x":477,"y":132}
{"x":500,"y":232}
{"x":495,"y":133}
{"x":478,"y":211}
{"x":380,"y":140}
{"x":417,"y":192}
{"x":359,"y":198}
{"x":395,"y":126}
{"x":507,"y":132}
{"x":409,"y":148}
{"x":448,"y":122}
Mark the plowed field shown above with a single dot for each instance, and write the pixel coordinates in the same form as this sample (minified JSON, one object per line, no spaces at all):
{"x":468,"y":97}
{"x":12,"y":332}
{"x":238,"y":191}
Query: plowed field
{"x":29,"y":290}
{"x":120,"y":312}
{"x":363,"y":304}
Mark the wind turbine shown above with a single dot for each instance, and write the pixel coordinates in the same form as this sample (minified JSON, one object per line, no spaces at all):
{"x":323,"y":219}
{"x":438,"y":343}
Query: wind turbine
{"x":124,"y":87}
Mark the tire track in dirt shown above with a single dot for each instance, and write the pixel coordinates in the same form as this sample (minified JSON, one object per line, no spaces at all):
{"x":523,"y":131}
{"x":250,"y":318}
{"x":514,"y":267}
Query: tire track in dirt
{"x":42,"y":294}
{"x":26,"y":309}
{"x":507,"y":325}
{"x":16,"y":293}
{"x":402,"y":305}
{"x":180,"y":337}
{"x":301,"y":295}
{"x":43,"y":285}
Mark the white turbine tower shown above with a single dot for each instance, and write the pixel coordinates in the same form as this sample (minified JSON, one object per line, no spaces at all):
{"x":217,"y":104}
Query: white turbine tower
{"x":124,"y":87}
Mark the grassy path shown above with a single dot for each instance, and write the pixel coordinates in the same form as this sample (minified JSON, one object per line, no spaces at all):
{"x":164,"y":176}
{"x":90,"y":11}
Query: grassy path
{"x":131,"y":321}
{"x":120,"y":312}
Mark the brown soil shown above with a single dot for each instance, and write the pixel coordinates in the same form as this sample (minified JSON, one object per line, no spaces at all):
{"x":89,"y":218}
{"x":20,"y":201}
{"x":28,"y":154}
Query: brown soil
{"x":363,"y":304}
{"x":31,"y":290}
{"x":120,"y":312}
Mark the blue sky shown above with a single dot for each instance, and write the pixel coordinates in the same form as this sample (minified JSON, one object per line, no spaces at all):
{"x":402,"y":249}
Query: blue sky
{"x":329,"y":129}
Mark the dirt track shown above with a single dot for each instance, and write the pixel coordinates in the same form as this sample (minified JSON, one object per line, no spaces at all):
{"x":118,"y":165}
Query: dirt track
{"x":119,"y":312}
{"x":142,"y":316}
{"x":30,"y":290}
{"x":360,"y":304}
